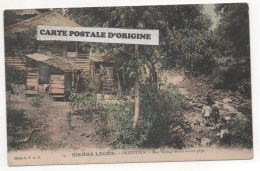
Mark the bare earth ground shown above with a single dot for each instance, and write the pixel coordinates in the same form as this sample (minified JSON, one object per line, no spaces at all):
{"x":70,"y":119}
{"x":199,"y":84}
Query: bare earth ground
{"x":58,"y":129}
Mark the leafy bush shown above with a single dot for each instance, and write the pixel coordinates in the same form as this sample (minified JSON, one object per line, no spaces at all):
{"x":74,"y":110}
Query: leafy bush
{"x":242,"y":133}
{"x":117,"y":121}
{"x":37,"y":100}
{"x":237,"y":78}
{"x":15,"y":75}
{"x":244,"y":87}
{"x":84,"y":101}
{"x":17,"y":125}
{"x":157,"y":114}
{"x":94,"y":83}
{"x":160,"y":108}
{"x":21,"y":43}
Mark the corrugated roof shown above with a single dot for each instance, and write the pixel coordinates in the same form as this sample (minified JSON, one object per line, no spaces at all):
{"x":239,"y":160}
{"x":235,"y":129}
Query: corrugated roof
{"x":54,"y":61}
{"x":49,"y":18}
{"x":38,"y":57}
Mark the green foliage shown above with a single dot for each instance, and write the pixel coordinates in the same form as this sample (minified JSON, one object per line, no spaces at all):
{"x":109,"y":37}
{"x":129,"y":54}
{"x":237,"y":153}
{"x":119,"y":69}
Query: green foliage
{"x":14,"y":117}
{"x":21,"y":43}
{"x":94,"y":83}
{"x":160,"y":108}
{"x":237,"y":78}
{"x":37,"y":100}
{"x":15,"y":75}
{"x":192,"y":50}
{"x":244,"y":87}
{"x":178,"y":16}
{"x":157,"y":114}
{"x":138,"y":67}
{"x":69,"y":119}
{"x":234,"y":26}
{"x":183,"y":29}
{"x":17,"y":124}
{"x":12,"y":17}
{"x":171,"y":94}
{"x":84,"y":101}
{"x":242,"y":133}
{"x":117,"y":120}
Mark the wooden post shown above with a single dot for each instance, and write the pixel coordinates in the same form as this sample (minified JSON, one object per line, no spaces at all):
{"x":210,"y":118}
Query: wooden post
{"x":137,"y":94}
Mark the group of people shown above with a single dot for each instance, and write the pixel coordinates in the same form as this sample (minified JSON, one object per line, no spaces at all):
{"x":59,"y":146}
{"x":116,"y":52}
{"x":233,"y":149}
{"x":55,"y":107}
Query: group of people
{"x":210,"y":111}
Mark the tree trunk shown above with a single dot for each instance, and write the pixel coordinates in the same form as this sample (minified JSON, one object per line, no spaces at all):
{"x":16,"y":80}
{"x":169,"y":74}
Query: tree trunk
{"x":137,"y":102}
{"x":137,"y":94}
{"x":153,"y":77}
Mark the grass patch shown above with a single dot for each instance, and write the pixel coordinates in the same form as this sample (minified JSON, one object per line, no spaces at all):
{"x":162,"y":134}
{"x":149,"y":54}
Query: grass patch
{"x":158,"y":112}
{"x":18,"y":125}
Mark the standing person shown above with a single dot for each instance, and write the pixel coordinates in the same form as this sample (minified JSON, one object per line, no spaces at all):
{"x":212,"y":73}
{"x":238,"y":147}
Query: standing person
{"x":209,"y":99}
{"x":81,"y":85}
{"x":215,"y":113}
{"x":206,"y":111}
{"x":224,"y":135}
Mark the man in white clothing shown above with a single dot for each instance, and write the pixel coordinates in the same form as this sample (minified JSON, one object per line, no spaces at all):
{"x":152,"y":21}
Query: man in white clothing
{"x":206,"y":111}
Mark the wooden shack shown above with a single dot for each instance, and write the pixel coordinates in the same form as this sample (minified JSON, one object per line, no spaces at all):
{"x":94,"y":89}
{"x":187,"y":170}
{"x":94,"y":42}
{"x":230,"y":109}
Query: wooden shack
{"x":108,"y":66}
{"x":46,"y":58}
{"x":50,"y":74}
{"x":50,"y":65}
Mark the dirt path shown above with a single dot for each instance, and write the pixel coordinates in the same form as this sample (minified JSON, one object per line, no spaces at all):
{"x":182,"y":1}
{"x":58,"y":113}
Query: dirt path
{"x":69,"y":130}
{"x":56,"y":128}
{"x":176,"y":79}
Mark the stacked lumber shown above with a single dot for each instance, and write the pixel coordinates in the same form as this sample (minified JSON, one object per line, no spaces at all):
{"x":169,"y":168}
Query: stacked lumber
{"x":17,"y":62}
{"x":108,"y":84}
{"x":32,"y":78}
{"x":56,"y":85}
{"x":32,"y":84}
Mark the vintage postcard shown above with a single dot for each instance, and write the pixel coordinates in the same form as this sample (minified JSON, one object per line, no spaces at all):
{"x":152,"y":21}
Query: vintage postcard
{"x":128,"y":84}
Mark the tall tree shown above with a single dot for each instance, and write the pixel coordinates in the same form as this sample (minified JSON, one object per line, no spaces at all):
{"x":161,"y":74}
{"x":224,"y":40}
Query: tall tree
{"x":234,"y":27}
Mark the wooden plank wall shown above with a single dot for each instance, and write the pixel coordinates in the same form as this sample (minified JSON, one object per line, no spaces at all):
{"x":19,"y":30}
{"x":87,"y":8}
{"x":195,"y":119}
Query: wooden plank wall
{"x":64,"y":51}
{"x":108,"y":84}
{"x":56,"y":84}
{"x":83,"y":55}
{"x":84,"y":64}
{"x":17,"y":62}
{"x":32,"y":79}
